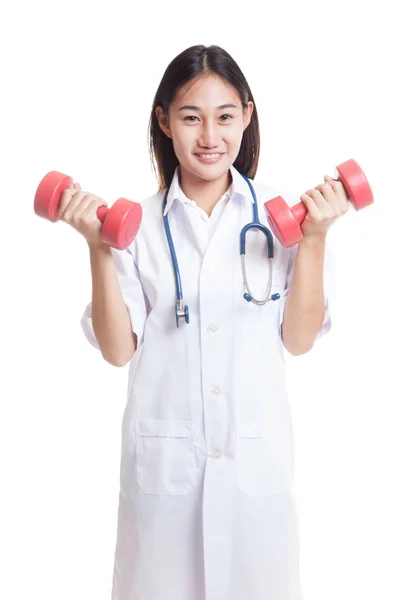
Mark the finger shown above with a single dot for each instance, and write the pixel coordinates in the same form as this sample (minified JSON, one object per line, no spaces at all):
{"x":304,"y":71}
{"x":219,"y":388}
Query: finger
{"x":326,"y":190}
{"x":336,"y":199}
{"x":90,"y":208}
{"x":82,"y":206}
{"x":65,"y":199}
{"x":339,"y":189}
{"x":335,"y":183}
{"x":319,"y":199}
{"x":332,"y":204}
{"x":71,"y":198}
{"x":311,"y":205}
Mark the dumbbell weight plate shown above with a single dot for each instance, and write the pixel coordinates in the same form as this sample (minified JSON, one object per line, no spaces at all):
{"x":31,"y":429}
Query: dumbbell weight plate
{"x":122,"y":223}
{"x":48,"y":194}
{"x":283,"y":222}
{"x":355,"y":183}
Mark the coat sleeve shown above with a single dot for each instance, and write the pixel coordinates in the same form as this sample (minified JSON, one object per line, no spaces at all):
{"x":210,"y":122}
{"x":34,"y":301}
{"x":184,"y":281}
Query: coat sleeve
{"x":328,"y":275}
{"x":132,"y":292}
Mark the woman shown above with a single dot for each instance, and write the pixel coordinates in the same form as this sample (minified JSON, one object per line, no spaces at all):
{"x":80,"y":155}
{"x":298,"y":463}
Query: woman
{"x":206,"y":507}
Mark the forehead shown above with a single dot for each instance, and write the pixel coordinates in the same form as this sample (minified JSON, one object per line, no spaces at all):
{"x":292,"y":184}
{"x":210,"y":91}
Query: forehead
{"x":207,"y":90}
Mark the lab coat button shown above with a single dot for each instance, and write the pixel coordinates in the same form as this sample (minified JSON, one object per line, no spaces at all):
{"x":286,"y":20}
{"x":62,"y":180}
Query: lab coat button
{"x":216,"y":391}
{"x":212,"y":329}
{"x":216,"y":454}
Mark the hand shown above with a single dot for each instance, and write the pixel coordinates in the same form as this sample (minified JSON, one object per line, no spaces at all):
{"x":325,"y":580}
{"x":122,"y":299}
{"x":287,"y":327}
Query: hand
{"x":79,"y":209}
{"x":325,"y":204}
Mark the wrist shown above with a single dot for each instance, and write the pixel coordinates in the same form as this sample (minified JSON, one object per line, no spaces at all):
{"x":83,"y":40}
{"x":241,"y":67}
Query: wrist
{"x":314,"y":240}
{"x":99,"y":249}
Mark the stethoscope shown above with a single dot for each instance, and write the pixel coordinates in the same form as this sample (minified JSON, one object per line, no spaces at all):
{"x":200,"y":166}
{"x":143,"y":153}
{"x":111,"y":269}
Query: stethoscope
{"x":181,"y":310}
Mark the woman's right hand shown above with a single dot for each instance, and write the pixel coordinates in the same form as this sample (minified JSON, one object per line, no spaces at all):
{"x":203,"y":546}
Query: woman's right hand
{"x":79,"y":209}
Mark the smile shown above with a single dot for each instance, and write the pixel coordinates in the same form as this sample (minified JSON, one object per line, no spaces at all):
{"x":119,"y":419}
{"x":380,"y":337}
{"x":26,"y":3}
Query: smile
{"x":209,"y":159}
{"x":214,"y":155}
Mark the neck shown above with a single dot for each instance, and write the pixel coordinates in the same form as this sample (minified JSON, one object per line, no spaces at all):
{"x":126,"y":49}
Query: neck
{"x":204,"y":192}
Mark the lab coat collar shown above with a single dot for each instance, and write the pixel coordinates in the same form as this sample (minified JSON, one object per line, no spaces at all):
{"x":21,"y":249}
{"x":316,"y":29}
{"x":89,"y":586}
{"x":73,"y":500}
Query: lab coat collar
{"x":239,"y":188}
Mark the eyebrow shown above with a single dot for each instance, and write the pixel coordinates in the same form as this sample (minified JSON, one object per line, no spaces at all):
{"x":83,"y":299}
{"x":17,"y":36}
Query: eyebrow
{"x":191,"y":107}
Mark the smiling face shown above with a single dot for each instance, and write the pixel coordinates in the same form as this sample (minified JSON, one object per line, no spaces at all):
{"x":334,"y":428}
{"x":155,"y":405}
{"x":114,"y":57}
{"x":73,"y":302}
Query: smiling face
{"x":206,"y":122}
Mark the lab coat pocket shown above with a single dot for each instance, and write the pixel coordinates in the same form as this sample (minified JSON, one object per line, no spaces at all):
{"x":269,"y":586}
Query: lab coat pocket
{"x":166,"y":463}
{"x":265,"y":459}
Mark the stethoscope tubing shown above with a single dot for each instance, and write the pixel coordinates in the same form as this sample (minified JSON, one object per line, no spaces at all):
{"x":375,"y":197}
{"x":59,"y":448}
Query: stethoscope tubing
{"x":182,"y":311}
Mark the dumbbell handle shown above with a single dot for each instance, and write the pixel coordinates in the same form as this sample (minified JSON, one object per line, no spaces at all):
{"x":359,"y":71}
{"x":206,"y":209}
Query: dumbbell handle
{"x":299,"y":212}
{"x":102,"y":213}
{"x":286,"y":221}
{"x":120,"y":223}
{"x":355,"y":183}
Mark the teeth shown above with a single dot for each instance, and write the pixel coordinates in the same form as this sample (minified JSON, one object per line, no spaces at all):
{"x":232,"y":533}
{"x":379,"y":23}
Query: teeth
{"x":209,"y":155}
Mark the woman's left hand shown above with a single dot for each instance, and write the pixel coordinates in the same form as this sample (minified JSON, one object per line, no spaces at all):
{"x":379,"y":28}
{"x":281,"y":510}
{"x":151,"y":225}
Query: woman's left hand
{"x":325,"y":204}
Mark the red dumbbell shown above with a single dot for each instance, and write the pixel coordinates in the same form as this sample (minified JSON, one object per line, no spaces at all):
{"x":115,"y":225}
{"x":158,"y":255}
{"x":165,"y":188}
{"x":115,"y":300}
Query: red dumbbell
{"x":121,"y":222}
{"x":285,"y":221}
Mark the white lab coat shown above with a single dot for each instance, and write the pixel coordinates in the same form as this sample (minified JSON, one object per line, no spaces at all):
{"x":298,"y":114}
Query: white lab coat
{"x":206,"y":505}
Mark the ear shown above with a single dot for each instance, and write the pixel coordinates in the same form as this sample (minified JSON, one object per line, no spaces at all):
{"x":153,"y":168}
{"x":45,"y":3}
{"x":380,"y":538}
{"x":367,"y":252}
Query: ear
{"x":163,"y":121}
{"x":247,"y":112}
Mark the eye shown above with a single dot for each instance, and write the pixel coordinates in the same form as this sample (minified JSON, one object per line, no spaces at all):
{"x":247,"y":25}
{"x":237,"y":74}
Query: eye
{"x":190,"y":117}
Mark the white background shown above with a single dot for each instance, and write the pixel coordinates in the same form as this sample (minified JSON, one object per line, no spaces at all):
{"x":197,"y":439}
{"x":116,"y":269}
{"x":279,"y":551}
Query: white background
{"x":78,"y":80}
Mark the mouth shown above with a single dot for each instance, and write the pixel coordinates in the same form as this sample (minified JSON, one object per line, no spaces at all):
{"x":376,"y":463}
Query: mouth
{"x":209,"y":157}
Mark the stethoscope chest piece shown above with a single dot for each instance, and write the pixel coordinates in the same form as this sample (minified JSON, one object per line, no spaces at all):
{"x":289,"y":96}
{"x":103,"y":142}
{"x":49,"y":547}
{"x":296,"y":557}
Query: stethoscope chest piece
{"x":181,"y":311}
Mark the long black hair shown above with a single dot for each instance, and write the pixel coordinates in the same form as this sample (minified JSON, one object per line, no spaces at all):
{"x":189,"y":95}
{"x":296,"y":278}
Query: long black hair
{"x":186,"y":66}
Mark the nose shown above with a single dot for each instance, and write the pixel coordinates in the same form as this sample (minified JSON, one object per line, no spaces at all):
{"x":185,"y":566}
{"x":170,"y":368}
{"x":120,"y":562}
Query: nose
{"x":209,"y":135}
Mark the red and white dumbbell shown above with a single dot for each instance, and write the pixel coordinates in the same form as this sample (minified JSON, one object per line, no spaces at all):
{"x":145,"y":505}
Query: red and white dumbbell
{"x":121,"y":222}
{"x":285,"y":221}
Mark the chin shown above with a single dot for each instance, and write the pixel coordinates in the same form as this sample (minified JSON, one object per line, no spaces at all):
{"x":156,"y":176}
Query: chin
{"x":209,"y":171}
